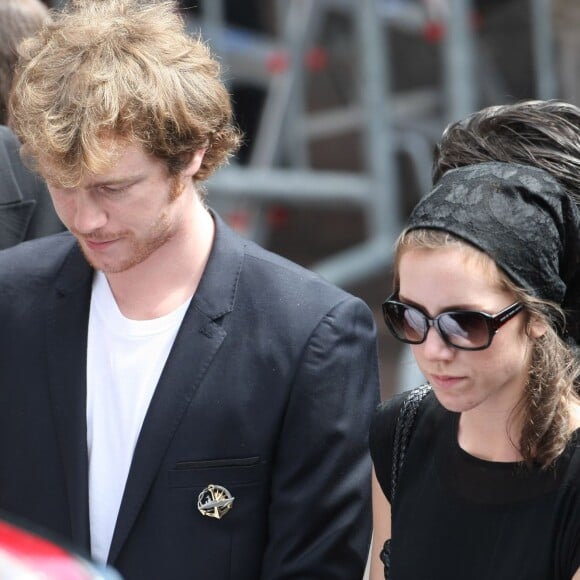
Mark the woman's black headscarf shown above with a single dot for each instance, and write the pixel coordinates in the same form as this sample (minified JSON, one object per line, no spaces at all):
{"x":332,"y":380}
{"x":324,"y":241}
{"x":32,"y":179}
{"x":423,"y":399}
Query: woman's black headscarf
{"x":522,"y":218}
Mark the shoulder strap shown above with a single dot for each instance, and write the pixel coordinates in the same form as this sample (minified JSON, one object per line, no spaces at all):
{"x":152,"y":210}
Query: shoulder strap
{"x":403,"y":430}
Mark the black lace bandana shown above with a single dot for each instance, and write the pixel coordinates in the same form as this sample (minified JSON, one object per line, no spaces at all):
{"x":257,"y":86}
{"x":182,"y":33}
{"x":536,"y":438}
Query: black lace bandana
{"x":520,"y":216}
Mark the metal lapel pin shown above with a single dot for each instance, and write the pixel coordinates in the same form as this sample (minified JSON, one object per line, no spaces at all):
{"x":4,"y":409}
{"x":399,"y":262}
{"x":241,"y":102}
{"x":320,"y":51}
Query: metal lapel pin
{"x":215,"y":501}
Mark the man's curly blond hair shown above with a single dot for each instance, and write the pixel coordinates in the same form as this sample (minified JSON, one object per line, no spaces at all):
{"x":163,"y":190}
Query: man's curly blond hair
{"x":120,"y":69}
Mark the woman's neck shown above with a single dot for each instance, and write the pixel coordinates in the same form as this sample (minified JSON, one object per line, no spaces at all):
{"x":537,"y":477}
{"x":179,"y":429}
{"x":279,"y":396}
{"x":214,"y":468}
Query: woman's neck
{"x":492,"y":437}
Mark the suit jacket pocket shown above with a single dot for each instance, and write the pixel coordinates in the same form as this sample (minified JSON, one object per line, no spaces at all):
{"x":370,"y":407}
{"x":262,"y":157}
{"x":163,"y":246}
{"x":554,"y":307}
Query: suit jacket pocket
{"x":235,"y":471}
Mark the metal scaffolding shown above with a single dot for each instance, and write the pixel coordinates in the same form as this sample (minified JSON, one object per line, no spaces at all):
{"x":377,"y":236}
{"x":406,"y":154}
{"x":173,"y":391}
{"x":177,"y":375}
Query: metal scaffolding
{"x":286,"y":127}
{"x":285,"y":120}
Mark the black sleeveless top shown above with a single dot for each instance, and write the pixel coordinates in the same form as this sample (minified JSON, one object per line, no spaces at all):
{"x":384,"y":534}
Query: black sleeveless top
{"x":457,"y":517}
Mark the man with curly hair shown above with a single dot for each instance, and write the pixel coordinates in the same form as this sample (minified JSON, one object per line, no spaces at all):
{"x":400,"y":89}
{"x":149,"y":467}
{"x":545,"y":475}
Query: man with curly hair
{"x":175,"y":399}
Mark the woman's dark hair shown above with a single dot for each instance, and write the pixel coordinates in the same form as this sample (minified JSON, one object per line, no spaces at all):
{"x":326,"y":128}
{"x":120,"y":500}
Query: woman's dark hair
{"x":545,"y":134}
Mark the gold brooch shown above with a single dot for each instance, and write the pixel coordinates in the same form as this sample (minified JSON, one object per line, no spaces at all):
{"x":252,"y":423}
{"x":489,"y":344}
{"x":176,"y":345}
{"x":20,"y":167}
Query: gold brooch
{"x":215,"y":501}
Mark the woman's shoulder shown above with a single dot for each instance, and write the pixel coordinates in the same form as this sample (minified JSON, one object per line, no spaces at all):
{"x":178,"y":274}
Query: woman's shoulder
{"x":387,"y":412}
{"x":384,"y":423}
{"x":388,"y":409}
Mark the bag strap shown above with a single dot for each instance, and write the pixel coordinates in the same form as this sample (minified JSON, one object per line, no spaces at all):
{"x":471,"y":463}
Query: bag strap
{"x":403,"y":430}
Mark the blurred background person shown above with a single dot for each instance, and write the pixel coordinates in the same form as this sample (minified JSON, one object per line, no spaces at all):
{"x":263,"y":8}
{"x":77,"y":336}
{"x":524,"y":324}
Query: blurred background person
{"x":26,"y":211}
{"x":566,"y":27}
{"x":18,"y":19}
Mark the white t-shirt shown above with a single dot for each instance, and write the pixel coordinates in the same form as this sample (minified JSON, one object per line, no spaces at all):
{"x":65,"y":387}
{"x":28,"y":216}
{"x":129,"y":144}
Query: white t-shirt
{"x":124,"y":362}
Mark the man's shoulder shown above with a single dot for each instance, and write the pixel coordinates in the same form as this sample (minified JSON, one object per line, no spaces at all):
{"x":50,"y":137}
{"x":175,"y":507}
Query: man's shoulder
{"x":281,"y":270}
{"x":268,"y":285}
{"x":289,"y":290}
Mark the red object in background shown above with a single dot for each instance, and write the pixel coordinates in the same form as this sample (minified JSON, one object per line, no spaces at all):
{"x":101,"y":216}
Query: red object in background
{"x":239,"y":220}
{"x":24,"y":554}
{"x":477,"y":20}
{"x":316,"y":59}
{"x":434,"y":30}
{"x":277,"y":62}
{"x":278,"y":217}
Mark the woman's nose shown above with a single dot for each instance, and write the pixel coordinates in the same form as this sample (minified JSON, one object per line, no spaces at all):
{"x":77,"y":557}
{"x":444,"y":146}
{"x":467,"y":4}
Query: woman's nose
{"x":434,"y":347}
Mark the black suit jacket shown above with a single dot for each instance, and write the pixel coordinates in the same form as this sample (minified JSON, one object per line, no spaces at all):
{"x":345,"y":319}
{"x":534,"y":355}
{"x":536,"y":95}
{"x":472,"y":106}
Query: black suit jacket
{"x":26,"y":210}
{"x":268,"y":391}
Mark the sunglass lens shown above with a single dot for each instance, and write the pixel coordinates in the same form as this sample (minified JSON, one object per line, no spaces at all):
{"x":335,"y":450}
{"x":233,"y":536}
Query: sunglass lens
{"x":465,"y":329}
{"x":414,"y":325}
{"x":406,"y":323}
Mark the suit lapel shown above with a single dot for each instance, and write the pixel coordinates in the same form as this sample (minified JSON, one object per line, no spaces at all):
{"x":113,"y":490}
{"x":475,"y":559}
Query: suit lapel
{"x":68,"y":311}
{"x":195,"y":347}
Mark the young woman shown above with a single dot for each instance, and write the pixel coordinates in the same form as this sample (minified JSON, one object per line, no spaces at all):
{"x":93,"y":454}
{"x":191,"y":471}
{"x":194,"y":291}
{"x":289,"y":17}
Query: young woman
{"x":486,"y":290}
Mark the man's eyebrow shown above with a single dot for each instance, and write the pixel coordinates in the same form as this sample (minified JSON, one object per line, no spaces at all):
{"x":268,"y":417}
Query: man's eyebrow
{"x":53,"y":179}
{"x":122,"y":180}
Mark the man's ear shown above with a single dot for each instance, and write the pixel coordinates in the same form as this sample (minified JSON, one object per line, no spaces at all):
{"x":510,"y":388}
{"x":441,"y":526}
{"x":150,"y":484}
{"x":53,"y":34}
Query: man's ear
{"x":194,"y":163}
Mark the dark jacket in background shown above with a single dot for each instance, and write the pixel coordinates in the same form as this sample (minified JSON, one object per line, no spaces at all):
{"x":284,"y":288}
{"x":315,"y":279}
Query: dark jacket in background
{"x":26,"y":210}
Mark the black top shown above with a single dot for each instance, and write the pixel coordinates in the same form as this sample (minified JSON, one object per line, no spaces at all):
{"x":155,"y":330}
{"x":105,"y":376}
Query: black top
{"x":460,"y":517}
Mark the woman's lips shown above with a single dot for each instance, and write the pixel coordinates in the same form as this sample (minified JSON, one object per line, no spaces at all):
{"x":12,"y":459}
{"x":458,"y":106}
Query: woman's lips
{"x":445,"y":381}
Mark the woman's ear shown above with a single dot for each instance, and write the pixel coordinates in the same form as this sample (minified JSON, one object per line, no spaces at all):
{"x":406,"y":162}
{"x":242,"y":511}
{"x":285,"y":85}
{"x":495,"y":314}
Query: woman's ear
{"x":536,"y":328}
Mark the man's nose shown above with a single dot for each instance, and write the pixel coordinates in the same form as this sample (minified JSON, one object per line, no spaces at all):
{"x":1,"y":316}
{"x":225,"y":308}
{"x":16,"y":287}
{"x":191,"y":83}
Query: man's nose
{"x":89,"y":214}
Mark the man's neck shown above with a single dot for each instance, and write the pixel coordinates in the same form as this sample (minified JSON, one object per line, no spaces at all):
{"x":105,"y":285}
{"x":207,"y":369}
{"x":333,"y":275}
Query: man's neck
{"x":170,"y":276}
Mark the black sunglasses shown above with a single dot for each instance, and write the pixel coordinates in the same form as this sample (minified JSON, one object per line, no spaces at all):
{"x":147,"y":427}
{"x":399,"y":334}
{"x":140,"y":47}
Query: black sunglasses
{"x":463,"y":329}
